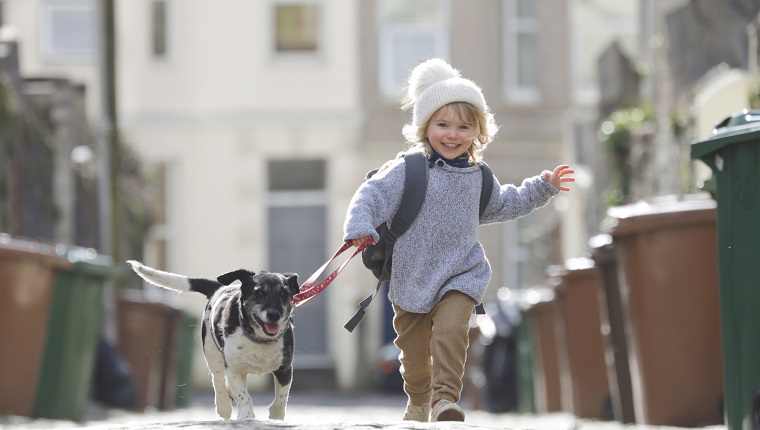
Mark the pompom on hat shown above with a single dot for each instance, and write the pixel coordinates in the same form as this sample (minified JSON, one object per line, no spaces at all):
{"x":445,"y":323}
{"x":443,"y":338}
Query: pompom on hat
{"x":434,"y":84}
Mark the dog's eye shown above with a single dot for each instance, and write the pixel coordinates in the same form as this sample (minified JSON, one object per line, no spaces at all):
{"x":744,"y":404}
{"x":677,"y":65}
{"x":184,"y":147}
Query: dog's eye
{"x":258,"y":291}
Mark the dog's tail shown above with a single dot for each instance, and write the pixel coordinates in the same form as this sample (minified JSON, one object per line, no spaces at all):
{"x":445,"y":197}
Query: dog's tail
{"x":175,"y":282}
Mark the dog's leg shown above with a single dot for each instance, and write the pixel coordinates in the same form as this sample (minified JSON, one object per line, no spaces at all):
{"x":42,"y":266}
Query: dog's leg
{"x":215,"y":363}
{"x":277,"y":408}
{"x":237,"y":383}
{"x":283,"y":378}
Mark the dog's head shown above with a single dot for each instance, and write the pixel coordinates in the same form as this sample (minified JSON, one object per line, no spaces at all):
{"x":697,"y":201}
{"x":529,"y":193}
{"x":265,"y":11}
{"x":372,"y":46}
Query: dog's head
{"x":266,"y":299}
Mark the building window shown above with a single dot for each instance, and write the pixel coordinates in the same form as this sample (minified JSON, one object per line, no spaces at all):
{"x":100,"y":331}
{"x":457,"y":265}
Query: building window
{"x":522,"y":66}
{"x":296,"y":27}
{"x":159,"y":29}
{"x":68,"y":30}
{"x":293,"y":175}
{"x":409,"y":32}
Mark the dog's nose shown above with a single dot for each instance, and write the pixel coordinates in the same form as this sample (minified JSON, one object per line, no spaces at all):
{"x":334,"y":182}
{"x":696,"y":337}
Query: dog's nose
{"x":273,"y":315}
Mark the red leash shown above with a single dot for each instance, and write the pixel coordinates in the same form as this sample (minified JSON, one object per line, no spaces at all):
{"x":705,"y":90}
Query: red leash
{"x":308,"y":290}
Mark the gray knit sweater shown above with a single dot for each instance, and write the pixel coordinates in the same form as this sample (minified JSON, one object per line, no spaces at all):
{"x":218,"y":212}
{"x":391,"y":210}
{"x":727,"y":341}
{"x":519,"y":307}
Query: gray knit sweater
{"x":440,"y":250}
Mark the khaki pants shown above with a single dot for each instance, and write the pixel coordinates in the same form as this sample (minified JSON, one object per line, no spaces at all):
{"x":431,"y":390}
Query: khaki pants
{"x":434,"y":348}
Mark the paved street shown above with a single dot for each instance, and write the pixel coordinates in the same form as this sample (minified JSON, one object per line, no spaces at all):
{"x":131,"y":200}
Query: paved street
{"x":314,"y":411}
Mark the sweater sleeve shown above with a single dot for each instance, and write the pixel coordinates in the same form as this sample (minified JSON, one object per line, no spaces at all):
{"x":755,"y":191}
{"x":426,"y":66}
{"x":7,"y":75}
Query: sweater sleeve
{"x":510,"y":202}
{"x":375,"y":202}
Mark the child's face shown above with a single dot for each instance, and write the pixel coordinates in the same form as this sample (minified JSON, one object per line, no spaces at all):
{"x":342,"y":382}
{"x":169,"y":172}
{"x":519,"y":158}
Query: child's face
{"x":449,"y":134}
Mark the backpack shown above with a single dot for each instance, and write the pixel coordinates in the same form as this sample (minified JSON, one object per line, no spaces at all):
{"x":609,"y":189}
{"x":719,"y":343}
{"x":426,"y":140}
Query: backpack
{"x":377,"y":257}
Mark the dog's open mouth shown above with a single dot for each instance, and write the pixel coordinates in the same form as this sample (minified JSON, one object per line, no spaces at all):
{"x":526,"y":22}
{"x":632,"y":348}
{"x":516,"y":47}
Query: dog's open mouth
{"x":272,"y":329}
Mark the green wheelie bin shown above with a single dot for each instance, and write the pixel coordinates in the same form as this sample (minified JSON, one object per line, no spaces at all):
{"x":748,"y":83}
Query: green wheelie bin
{"x":526,"y":401}
{"x":733,"y":154}
{"x":540,"y":306}
{"x":74,"y":327}
{"x":184,"y":357}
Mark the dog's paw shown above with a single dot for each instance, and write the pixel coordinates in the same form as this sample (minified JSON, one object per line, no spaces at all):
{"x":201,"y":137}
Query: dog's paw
{"x":276,"y":412}
{"x":279,"y":416}
{"x":224,"y":409}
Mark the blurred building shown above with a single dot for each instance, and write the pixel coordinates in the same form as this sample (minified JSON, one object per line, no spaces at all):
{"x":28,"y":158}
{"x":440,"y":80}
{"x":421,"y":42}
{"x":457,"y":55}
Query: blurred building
{"x":258,"y":120}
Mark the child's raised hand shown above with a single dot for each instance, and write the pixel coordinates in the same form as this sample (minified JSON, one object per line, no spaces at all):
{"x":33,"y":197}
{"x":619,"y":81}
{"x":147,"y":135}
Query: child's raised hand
{"x":557,"y":177}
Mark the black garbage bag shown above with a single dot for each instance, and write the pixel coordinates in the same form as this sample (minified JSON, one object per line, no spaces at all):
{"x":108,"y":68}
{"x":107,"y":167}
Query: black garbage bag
{"x":500,"y":368}
{"x":499,"y":354}
{"x":113,"y":382}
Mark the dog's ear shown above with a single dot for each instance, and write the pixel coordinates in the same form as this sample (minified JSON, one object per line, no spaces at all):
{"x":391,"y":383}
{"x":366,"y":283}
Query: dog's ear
{"x":291,"y":280}
{"x":237,"y":275}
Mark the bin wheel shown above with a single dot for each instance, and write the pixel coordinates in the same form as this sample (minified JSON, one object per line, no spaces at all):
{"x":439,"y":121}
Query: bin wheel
{"x":755,"y":411}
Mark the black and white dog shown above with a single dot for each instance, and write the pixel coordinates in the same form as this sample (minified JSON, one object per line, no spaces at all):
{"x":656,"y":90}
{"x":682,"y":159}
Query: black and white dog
{"x":247,"y":328}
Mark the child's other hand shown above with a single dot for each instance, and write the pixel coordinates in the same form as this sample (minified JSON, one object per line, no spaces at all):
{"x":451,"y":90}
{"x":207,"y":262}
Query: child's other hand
{"x":558,"y":177}
{"x":359,"y":240}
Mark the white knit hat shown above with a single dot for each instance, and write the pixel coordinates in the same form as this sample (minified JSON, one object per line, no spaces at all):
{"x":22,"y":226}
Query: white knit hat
{"x":434,"y":84}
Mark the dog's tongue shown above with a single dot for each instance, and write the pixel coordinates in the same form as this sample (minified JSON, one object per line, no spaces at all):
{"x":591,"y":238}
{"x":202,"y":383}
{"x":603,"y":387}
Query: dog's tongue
{"x":271,"y":328}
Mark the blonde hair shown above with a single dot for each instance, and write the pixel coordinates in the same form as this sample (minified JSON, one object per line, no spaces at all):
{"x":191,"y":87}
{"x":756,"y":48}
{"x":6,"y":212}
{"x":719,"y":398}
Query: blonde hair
{"x":484,"y":123}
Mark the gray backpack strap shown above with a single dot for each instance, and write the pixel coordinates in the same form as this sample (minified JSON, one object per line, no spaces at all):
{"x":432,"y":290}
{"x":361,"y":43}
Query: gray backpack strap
{"x":485,"y":196}
{"x":415,"y":187}
{"x":487,"y":188}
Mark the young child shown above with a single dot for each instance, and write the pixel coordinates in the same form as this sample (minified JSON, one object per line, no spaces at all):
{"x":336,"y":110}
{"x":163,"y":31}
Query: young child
{"x":440,"y":270}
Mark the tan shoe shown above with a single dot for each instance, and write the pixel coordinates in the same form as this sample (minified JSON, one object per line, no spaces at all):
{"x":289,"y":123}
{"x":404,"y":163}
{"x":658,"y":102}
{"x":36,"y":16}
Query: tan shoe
{"x":444,"y":410}
{"x":417,"y":413}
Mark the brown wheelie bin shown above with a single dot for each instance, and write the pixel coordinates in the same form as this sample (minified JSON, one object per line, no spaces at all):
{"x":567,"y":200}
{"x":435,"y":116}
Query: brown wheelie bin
{"x":613,"y":329}
{"x":27,"y":275}
{"x":667,"y":252}
{"x":583,"y":373}
{"x":149,"y":333}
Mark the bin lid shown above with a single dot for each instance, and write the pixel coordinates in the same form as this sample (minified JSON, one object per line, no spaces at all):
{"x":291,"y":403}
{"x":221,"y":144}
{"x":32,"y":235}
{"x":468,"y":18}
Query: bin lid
{"x":21,"y":249}
{"x":740,"y":127}
{"x":569,"y":268}
{"x":601,"y":247}
{"x":150,"y":301}
{"x":87,"y":260}
{"x":659,"y":213}
{"x":535,"y":298}
{"x":579,"y":266}
{"x":572,"y":270}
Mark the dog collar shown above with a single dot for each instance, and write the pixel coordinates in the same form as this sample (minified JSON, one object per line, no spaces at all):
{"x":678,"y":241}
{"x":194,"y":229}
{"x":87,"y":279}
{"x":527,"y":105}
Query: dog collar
{"x":249,"y":332}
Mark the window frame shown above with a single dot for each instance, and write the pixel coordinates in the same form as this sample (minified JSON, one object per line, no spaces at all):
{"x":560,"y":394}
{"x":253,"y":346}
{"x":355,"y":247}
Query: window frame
{"x":167,"y":33}
{"x":49,"y":51}
{"x":320,"y":38}
{"x":387,"y":61}
{"x":516,"y":92}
